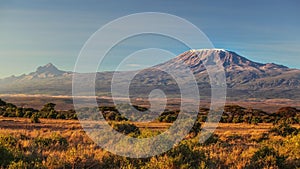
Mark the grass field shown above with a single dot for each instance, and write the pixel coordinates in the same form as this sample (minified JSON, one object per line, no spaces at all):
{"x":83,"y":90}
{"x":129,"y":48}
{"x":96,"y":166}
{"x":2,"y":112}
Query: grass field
{"x":64,"y":144}
{"x":57,"y":125}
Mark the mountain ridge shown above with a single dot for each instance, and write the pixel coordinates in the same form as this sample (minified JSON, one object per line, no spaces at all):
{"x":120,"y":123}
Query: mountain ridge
{"x":244,"y":77}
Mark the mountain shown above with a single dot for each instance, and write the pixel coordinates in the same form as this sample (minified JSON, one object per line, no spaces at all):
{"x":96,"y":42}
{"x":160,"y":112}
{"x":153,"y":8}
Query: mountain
{"x":244,"y":78}
{"x":47,"y":71}
{"x":240,"y":71}
{"x":47,"y":79}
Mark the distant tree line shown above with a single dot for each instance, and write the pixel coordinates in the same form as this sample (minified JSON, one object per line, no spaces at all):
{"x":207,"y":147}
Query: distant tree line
{"x":231,"y":114}
{"x":48,"y":111}
{"x":238,"y":114}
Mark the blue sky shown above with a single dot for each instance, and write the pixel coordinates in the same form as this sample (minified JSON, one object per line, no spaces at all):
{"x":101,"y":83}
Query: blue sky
{"x":36,"y":32}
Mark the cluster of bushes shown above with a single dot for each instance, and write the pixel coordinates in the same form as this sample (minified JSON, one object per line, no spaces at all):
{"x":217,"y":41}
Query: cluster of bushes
{"x":168,"y":116}
{"x":57,"y":151}
{"x":11,"y":110}
{"x":238,"y":114}
{"x":289,"y":115}
{"x":109,"y":113}
{"x":41,"y":153}
{"x":284,"y":129}
{"x":281,"y":148}
{"x":48,"y":111}
{"x":266,"y":157}
{"x":231,"y":114}
{"x":54,"y":142}
{"x":126,"y":128}
{"x":15,"y":154}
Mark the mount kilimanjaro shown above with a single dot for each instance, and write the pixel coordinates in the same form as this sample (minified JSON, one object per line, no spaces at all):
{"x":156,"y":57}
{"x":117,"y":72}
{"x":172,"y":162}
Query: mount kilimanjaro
{"x":244,"y":78}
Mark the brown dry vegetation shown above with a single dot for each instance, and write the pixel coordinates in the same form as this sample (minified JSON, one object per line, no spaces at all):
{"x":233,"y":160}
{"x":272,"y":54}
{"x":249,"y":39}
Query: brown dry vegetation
{"x":64,"y":144}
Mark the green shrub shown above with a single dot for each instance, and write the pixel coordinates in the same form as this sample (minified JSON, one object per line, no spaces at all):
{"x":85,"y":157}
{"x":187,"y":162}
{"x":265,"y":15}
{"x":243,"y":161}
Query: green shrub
{"x":59,"y":140}
{"x":54,"y":142}
{"x":28,"y":114}
{"x":19,"y":112}
{"x":114,"y":161}
{"x":237,"y":119}
{"x":126,"y":128}
{"x":212,"y":139}
{"x":42,"y":142}
{"x":195,"y":129}
{"x":18,"y":165}
{"x":291,"y":148}
{"x":185,"y":156}
{"x":8,"y":141}
{"x":168,"y":116}
{"x":5,"y":156}
{"x":284,"y":130}
{"x":35,"y":119}
{"x":266,"y":157}
{"x":256,"y":120}
{"x":60,"y":116}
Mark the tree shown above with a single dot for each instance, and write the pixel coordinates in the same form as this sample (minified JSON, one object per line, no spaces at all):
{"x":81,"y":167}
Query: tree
{"x":48,"y":111}
{"x":35,"y":118}
{"x":2,"y":103}
{"x":52,"y":114}
{"x":287,"y":111}
{"x":48,"y":107}
{"x":28,"y":114}
{"x":19,"y":112}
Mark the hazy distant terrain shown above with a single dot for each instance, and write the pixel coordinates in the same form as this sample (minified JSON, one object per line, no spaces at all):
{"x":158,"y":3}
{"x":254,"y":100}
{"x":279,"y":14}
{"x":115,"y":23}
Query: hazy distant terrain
{"x":245,"y":78}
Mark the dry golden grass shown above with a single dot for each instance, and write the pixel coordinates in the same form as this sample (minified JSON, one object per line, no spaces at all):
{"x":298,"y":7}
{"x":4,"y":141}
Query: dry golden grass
{"x":235,"y":146}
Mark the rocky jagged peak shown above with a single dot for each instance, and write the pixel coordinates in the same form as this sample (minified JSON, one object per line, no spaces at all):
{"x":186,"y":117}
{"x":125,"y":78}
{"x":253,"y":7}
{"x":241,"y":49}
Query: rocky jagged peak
{"x":48,"y":70}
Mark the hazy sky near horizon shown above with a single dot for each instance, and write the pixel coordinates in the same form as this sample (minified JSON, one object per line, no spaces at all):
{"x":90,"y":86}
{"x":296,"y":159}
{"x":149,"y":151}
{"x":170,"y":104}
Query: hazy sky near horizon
{"x":36,"y":32}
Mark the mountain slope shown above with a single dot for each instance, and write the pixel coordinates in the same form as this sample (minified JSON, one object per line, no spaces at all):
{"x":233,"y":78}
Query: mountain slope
{"x":240,"y":72}
{"x":45,"y":80}
{"x":245,"y":78}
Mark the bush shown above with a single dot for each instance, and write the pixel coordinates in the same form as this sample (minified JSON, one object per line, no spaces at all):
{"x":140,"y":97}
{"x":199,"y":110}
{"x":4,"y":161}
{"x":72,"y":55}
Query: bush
{"x":54,"y":142}
{"x":19,"y":112}
{"x":35,"y":119}
{"x":114,"y":161}
{"x":8,"y":141}
{"x":291,"y":148}
{"x":185,"y":156}
{"x":195,"y":130}
{"x":77,"y":158}
{"x":28,"y":114}
{"x":60,"y":116}
{"x":52,"y":114}
{"x":18,"y":165}
{"x":237,"y":119}
{"x":284,"y":130}
{"x":126,"y":128}
{"x":5,"y":156}
{"x":256,"y":120}
{"x":287,"y":111}
{"x":212,"y":139}
{"x":266,"y":157}
{"x":168,"y":116}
